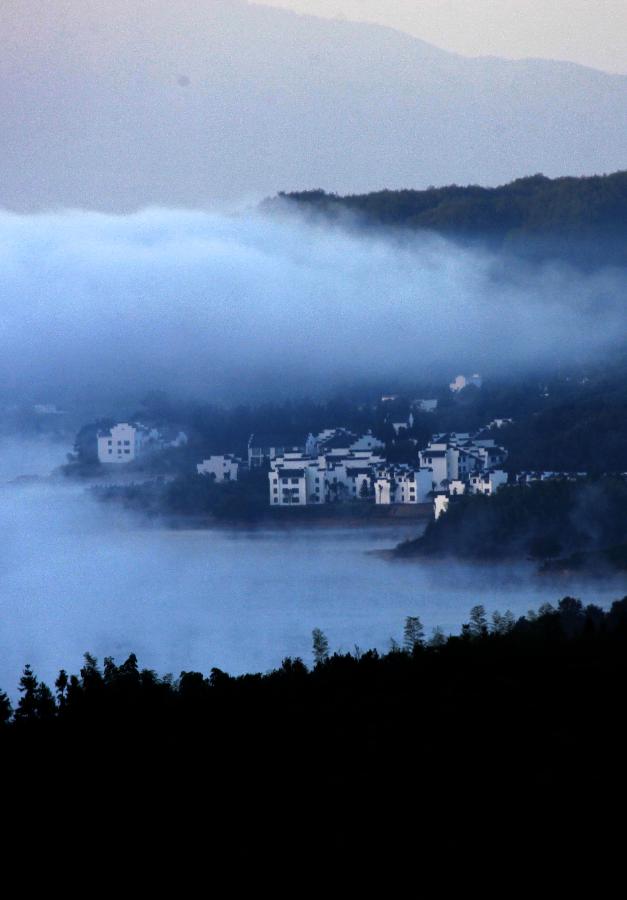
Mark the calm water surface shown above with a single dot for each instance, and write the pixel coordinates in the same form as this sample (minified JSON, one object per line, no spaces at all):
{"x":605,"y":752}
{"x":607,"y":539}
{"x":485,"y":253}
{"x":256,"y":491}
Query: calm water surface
{"x":77,"y":576}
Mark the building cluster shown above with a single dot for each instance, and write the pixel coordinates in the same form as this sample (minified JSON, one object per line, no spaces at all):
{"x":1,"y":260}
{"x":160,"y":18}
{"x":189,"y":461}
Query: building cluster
{"x":339,"y":465}
{"x":336,"y":465}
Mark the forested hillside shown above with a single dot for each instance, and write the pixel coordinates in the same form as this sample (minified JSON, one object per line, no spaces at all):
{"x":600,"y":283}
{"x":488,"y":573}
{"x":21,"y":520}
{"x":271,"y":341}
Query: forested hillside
{"x":536,"y":215}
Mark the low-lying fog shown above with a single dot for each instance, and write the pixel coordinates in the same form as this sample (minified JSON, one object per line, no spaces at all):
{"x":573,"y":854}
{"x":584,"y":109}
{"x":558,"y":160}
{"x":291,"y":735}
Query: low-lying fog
{"x":78,"y":576}
{"x":248,"y":306}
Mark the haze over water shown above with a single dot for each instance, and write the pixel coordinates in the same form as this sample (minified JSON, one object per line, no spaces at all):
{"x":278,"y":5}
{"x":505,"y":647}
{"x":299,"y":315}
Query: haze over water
{"x":78,"y":576}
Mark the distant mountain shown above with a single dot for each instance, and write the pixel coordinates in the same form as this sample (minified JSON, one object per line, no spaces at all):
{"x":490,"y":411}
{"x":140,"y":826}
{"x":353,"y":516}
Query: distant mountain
{"x":583,"y":219}
{"x":138,"y":102}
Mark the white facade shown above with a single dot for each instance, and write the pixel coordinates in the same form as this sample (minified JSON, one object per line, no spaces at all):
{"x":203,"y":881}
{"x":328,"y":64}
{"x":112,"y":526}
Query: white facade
{"x":487,"y":482}
{"x":122,"y":444}
{"x":298,"y":479}
{"x":222,"y":468}
{"x":402,"y":484}
{"x":440,"y":505}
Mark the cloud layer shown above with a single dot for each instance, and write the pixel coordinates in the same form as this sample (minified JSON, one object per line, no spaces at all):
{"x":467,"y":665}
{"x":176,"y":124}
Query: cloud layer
{"x":230,"y":306}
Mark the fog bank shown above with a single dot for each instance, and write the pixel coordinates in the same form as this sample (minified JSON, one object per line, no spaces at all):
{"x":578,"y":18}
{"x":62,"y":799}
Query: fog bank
{"x":230,"y":307}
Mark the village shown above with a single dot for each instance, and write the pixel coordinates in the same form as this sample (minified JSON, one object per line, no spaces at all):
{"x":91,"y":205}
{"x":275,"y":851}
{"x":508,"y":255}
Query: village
{"x":339,"y":465}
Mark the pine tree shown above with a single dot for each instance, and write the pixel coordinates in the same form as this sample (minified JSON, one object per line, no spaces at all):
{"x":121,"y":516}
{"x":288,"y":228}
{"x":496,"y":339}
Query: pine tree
{"x":45,"y":706}
{"x":320,"y":646}
{"x":6,"y":710}
{"x":27,"y":707}
{"x":61,"y":685}
{"x":413,"y":634}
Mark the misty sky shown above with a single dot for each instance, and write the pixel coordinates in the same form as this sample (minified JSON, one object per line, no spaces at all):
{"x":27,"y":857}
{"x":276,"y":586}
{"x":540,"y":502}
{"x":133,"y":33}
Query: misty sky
{"x":137,"y":103}
{"x":589,"y":32}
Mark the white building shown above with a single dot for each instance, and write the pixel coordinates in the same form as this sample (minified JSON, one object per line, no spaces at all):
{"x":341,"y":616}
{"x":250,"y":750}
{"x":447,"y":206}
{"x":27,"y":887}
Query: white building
{"x":222,"y":468}
{"x":402,"y":484}
{"x":122,"y":444}
{"x":299,"y":479}
{"x":458,"y":455}
{"x":487,"y":482}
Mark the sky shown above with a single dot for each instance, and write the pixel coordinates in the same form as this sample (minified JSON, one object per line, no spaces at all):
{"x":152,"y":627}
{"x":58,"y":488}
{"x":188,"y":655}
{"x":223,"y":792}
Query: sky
{"x":590,"y":32}
{"x":187,"y":104}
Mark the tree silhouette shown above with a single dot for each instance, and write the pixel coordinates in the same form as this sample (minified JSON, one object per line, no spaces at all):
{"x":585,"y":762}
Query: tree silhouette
{"x":320,"y":646}
{"x":27,"y":706}
{"x":478,"y":625}
{"x":413,"y":634}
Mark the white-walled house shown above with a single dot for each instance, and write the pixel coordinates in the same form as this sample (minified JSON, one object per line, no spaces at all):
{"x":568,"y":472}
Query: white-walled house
{"x":402,"y":484}
{"x":436,"y":459}
{"x":122,"y":444}
{"x":440,"y":505}
{"x":487,"y":482}
{"x":298,"y":479}
{"x":223,"y":467}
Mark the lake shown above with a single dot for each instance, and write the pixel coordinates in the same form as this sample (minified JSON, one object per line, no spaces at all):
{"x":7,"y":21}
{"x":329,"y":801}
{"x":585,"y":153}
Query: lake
{"x":76,"y":575}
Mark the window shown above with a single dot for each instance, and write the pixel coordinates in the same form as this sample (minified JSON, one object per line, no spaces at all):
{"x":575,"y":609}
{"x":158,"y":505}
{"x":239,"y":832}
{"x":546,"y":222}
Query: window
{"x":275,"y":491}
{"x":294,"y":480}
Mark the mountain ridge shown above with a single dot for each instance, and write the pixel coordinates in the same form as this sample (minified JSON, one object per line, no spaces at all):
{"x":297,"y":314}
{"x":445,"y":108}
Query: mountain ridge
{"x":181,"y":105}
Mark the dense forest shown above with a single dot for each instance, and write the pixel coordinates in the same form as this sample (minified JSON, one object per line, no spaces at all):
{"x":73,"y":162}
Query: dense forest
{"x":360,"y":751}
{"x":540,"y":521}
{"x":581,"y":219}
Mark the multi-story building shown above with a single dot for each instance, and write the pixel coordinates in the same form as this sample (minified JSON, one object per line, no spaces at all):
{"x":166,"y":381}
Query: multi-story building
{"x":122,"y":444}
{"x":402,"y":484}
